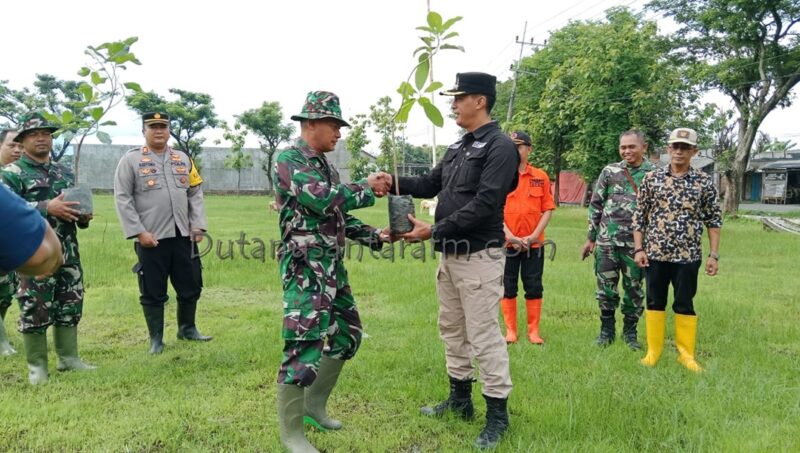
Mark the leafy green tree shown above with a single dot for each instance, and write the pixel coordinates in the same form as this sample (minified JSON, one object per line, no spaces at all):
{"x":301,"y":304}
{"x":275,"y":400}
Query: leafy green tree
{"x":101,"y":90}
{"x":382,"y":117}
{"x":355,"y":144}
{"x":190,"y":114}
{"x":748,"y":50}
{"x":237,"y":159}
{"x":266,"y":123}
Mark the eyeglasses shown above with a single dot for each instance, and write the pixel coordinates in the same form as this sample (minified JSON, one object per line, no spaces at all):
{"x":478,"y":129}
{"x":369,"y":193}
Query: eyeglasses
{"x":681,"y":146}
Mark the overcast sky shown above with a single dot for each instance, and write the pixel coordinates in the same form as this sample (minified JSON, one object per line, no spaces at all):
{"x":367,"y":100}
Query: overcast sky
{"x":245,"y":52}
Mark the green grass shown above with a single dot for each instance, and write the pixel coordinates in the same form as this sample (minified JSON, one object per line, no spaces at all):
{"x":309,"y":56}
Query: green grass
{"x":568,"y":395}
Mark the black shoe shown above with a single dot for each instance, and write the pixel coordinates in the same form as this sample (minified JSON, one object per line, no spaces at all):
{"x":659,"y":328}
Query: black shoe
{"x":629,"y":332}
{"x":459,"y":401}
{"x":154,"y":316}
{"x":187,"y":330}
{"x":607,"y":330}
{"x":496,"y":423}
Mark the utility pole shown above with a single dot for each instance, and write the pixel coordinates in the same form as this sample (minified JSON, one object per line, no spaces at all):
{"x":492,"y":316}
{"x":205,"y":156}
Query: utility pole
{"x":522,"y":43}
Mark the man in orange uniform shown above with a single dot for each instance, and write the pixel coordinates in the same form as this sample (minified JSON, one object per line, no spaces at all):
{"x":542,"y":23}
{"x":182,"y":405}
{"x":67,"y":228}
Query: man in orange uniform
{"x":527,"y":212}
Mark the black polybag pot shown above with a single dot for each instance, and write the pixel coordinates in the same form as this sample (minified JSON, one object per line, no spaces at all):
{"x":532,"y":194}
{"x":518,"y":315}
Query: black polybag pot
{"x":400,"y":206}
{"x":81,"y":194}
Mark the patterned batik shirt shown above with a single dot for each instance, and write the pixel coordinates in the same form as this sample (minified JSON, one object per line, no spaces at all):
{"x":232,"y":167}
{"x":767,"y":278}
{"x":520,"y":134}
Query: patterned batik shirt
{"x":671,"y":212}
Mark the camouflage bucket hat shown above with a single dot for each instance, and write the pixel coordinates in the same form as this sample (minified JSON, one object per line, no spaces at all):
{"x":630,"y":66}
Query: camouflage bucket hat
{"x":321,"y":104}
{"x":30,"y":122}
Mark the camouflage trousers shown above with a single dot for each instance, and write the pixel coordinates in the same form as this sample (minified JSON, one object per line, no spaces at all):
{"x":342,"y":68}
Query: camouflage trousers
{"x":319,"y":316}
{"x":611,"y":261}
{"x":57,"y":299}
{"x":8,"y":287}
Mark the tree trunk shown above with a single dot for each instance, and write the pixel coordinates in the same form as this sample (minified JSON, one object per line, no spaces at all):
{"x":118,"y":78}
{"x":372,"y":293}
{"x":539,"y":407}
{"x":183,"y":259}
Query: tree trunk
{"x":271,"y":188}
{"x":748,"y":127}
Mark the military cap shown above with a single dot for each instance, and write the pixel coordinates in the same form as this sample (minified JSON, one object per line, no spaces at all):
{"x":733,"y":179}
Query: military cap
{"x":473,"y":83}
{"x":521,"y":138}
{"x":155,"y":117}
{"x":683,"y":135}
{"x":33,"y":121}
{"x":321,"y":104}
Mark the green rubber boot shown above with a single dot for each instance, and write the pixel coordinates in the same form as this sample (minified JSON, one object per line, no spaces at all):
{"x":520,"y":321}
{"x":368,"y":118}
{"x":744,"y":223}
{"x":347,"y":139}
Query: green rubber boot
{"x":316,"y":396}
{"x":290,"y":418}
{"x":66,"y":343}
{"x":36,"y":355}
{"x":5,"y":347}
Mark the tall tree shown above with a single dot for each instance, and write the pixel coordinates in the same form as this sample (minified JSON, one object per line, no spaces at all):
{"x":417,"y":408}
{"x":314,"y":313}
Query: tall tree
{"x":355,"y":144}
{"x":190,"y":114}
{"x":382,"y":116}
{"x":266,"y":123}
{"x":748,"y":49}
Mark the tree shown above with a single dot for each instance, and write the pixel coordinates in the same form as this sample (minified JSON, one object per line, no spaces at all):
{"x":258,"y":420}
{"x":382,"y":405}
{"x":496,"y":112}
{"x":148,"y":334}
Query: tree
{"x":382,"y":117}
{"x":190,"y":114}
{"x":355,"y":143}
{"x":748,"y":50}
{"x":592,"y":81}
{"x":265,"y":123}
{"x":101,"y":90}
{"x":237,"y":159}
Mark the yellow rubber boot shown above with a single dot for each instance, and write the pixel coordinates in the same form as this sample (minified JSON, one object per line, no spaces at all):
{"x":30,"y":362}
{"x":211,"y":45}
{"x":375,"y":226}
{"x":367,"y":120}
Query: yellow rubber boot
{"x":534,"y":307}
{"x":508,"y":305}
{"x":685,"y":339}
{"x":655,"y":321}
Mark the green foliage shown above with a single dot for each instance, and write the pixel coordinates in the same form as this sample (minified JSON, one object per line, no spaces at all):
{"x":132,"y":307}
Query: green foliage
{"x":100,"y":91}
{"x":266,"y":123}
{"x":435,"y":39}
{"x":236,"y":159}
{"x":355,"y":144}
{"x":592,"y":81}
{"x":383,"y":118}
{"x":190,"y":114}
{"x":748,"y":50}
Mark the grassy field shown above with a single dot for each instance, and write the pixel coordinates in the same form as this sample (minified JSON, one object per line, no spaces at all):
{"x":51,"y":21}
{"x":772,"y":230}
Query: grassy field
{"x":568,"y":395}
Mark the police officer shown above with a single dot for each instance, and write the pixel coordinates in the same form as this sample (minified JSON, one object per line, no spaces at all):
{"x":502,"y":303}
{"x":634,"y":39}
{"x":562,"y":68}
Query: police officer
{"x":472,"y":182}
{"x":318,"y":305}
{"x":159,"y":202}
{"x":57,"y":299}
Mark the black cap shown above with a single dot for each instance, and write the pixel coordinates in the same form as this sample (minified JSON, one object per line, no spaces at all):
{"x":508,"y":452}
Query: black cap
{"x":473,"y":83}
{"x":155,"y":117}
{"x":521,"y":138}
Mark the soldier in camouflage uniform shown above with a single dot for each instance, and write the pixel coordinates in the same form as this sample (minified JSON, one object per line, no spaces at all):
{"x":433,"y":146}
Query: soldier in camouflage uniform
{"x":58,"y":299}
{"x":9,"y":152}
{"x":611,"y":239}
{"x":318,"y":304}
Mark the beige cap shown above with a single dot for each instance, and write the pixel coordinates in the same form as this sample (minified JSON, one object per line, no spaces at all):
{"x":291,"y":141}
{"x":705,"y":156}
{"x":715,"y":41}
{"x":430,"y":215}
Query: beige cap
{"x":683,"y":135}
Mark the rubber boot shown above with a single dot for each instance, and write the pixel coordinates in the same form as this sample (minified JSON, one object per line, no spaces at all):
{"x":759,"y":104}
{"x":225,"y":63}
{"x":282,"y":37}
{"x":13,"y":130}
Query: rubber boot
{"x":496,"y":423}
{"x":459,"y":401}
{"x":5,"y":347}
{"x":629,"y":335}
{"x":656,"y":324}
{"x":685,"y":338}
{"x":36,"y":355}
{"x":508,"y":306}
{"x":534,"y":307}
{"x":290,"y":419}
{"x":316,"y":396}
{"x":608,"y":330}
{"x":154,"y":316}
{"x":187,"y":330}
{"x":65,"y":339}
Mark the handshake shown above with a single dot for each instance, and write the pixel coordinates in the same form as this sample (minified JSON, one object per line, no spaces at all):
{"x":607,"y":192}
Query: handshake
{"x":380,"y":183}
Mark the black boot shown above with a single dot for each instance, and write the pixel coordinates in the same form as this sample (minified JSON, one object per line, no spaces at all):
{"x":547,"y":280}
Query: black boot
{"x":154,"y":316}
{"x":186,"y":327}
{"x":608,"y":330}
{"x":496,"y":423}
{"x":629,"y":324}
{"x":459,"y":401}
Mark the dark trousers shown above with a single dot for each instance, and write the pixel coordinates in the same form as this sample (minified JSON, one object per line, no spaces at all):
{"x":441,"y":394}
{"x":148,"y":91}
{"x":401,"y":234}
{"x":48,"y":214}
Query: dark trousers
{"x":682,"y":276}
{"x":525,"y":264}
{"x":171,"y":258}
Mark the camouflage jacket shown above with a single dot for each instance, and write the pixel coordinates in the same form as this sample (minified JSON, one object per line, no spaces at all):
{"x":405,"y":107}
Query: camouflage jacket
{"x":314,"y":203}
{"x":614,"y":203}
{"x":39,"y":183}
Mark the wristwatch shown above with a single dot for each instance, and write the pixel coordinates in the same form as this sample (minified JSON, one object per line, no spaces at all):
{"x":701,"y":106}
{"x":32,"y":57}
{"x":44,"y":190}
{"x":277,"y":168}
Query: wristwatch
{"x":714,"y":255}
